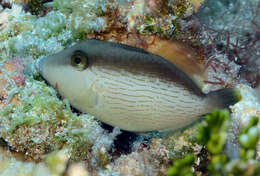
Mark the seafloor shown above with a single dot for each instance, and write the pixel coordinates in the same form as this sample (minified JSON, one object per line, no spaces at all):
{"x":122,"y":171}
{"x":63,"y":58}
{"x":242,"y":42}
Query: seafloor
{"x":40,"y":134}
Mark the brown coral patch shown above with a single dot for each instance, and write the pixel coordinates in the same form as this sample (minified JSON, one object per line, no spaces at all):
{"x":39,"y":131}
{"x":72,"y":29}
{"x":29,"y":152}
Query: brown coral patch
{"x":12,"y":70}
{"x":17,"y":68}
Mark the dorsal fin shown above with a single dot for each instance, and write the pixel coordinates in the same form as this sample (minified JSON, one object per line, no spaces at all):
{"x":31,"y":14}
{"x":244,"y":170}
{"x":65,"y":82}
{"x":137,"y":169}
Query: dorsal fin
{"x":182,"y":56}
{"x":124,"y":46}
{"x":128,"y":47}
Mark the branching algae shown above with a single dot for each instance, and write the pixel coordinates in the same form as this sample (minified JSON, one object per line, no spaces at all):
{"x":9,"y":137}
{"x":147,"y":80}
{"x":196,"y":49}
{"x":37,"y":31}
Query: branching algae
{"x":213,"y":134}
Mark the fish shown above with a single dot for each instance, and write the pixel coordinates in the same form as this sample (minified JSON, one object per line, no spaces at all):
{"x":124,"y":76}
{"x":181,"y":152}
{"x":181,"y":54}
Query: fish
{"x":129,"y":87}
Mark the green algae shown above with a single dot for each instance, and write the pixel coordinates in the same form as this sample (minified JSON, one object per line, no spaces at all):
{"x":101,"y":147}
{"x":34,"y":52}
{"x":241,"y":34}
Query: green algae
{"x":182,"y":167}
{"x":164,"y":20}
{"x":213,"y":134}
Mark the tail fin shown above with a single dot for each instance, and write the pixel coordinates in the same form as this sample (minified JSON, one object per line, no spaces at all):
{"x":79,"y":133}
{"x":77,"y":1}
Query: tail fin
{"x":226,"y":97}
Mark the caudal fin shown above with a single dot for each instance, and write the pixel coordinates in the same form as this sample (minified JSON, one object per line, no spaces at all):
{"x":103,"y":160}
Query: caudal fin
{"x":226,"y":97}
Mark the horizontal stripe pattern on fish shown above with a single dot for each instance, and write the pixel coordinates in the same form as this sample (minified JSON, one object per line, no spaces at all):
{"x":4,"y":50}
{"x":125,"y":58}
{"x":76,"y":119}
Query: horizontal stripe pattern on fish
{"x":145,"y":99}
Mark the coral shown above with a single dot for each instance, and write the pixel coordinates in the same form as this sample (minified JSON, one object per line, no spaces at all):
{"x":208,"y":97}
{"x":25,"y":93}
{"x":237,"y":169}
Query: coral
{"x":80,"y":21}
{"x":51,"y":33}
{"x":12,"y":166}
{"x":248,"y":139}
{"x":57,"y":162}
{"x":77,"y":170}
{"x":236,"y":36}
{"x":221,"y":72}
{"x":228,"y":47}
{"x":249,"y":106}
{"x":182,"y":142}
{"x":151,"y":17}
{"x":36,"y":7}
{"x":67,"y":23}
{"x":142,"y":161}
{"x":242,"y":113}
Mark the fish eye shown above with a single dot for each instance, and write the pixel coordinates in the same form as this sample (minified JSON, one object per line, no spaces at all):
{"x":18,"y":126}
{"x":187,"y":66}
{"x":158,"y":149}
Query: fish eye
{"x":79,"y":60}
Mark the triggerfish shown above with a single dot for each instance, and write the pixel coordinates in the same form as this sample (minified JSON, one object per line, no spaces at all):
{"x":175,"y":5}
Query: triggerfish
{"x":130,"y":88}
